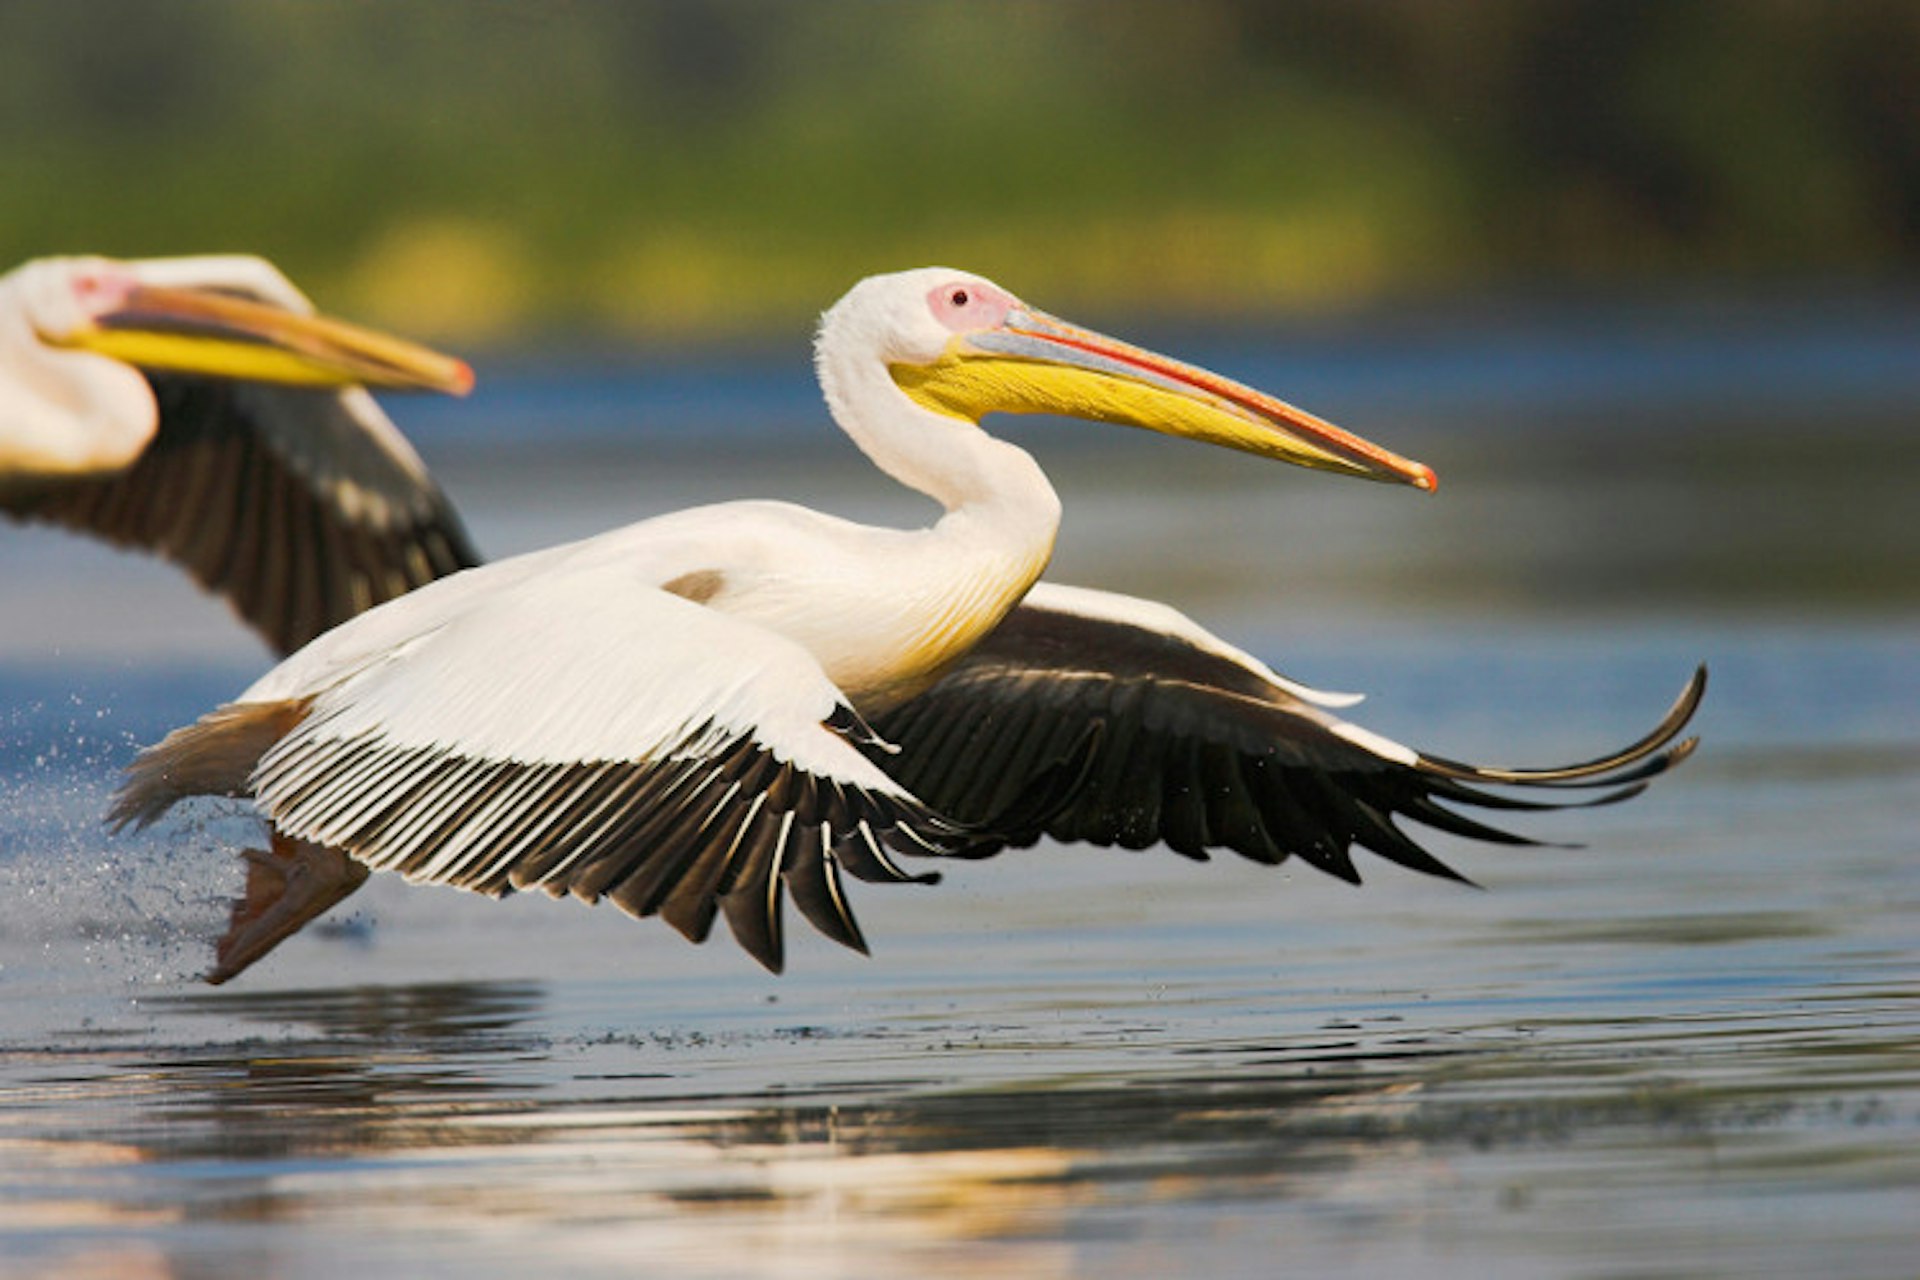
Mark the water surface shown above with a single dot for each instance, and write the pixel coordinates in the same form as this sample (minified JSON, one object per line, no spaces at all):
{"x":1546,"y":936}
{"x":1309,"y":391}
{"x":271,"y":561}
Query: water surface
{"x":1689,"y":1046}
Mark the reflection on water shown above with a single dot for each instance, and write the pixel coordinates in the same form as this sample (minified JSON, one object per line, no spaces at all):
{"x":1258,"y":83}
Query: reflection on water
{"x":357,"y":1071}
{"x":465,"y":1122}
{"x":432,"y":1018}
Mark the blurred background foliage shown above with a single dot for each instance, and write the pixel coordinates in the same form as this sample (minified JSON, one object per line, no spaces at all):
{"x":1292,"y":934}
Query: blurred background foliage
{"x":481,"y":171}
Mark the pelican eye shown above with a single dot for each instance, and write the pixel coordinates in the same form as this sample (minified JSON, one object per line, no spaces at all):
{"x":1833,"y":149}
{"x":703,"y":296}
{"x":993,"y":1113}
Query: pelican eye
{"x":967,"y":306}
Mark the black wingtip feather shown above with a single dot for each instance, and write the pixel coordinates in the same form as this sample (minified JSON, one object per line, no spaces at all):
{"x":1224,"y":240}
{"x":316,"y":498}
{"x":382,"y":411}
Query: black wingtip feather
{"x":1602,"y":770}
{"x":813,"y":880}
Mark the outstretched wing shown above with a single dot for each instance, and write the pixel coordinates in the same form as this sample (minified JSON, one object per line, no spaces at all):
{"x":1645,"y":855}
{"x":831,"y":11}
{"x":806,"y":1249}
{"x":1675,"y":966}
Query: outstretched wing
{"x":303,"y":507}
{"x":1096,"y":717}
{"x":584,"y":733}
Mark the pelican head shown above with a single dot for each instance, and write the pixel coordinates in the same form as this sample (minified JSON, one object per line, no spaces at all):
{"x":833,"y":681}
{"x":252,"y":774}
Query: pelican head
{"x":78,"y":337}
{"x":155,"y":315}
{"x":961,"y":346}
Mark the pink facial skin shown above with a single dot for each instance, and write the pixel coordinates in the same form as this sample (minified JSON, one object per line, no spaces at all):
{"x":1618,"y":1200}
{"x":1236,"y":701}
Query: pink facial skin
{"x":107,"y":287}
{"x":968,"y":306}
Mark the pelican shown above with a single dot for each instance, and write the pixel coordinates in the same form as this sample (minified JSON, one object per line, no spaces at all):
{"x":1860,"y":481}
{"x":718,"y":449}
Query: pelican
{"x":197,"y":407}
{"x":706,"y":712}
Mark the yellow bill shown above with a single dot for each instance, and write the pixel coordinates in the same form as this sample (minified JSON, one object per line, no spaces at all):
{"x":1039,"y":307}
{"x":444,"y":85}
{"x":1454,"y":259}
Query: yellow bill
{"x":1034,"y":363}
{"x":218,"y":334}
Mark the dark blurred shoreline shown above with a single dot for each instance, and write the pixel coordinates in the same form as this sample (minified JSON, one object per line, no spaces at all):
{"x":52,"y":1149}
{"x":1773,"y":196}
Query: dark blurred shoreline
{"x":670,"y":170}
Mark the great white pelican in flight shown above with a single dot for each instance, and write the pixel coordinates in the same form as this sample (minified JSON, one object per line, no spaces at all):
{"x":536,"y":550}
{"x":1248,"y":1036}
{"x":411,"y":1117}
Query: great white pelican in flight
{"x":199,"y":409}
{"x":706,"y":713}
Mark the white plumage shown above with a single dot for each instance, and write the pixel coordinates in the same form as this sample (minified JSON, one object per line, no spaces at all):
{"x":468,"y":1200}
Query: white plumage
{"x":681,"y":715}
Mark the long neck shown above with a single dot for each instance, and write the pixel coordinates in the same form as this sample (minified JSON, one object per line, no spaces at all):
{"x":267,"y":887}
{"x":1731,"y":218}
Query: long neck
{"x":946,"y":587}
{"x":992,"y":491}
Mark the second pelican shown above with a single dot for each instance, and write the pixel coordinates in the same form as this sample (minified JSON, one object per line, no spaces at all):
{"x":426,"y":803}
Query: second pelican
{"x":198,"y":408}
{"x":703,"y":712}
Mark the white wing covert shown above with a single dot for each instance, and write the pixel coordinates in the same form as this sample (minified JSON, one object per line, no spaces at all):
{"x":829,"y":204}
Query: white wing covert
{"x":587,"y":734}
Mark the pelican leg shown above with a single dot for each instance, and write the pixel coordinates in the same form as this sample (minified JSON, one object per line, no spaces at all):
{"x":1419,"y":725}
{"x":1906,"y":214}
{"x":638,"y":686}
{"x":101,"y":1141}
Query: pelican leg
{"x":286,"y":887}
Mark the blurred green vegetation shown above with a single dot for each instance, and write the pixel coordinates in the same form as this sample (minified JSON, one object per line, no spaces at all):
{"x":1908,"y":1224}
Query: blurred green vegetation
{"x":476,"y":170}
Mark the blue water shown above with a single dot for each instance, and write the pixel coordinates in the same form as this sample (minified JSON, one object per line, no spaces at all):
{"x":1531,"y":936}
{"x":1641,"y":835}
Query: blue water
{"x":1689,"y":1045}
